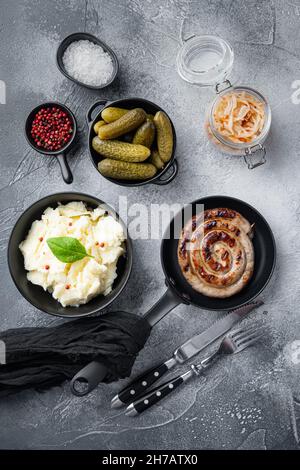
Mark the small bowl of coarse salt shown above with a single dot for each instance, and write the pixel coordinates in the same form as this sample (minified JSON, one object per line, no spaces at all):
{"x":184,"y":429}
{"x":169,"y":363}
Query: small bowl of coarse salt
{"x":87,"y":61}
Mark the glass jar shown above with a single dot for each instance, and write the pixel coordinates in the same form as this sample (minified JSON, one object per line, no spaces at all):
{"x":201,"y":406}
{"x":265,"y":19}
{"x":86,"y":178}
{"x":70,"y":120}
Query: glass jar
{"x":254,"y":152}
{"x":207,"y":61}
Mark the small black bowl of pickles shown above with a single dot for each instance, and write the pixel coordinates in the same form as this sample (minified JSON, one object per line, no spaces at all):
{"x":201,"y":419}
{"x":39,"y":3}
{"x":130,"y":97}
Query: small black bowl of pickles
{"x":132,"y":142}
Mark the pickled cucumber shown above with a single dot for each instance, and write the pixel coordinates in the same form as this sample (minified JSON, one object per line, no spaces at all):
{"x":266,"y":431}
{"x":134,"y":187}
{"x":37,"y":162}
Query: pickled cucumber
{"x":118,"y":150}
{"x":145,"y":134}
{"x":125,"y":170}
{"x":130,"y":121}
{"x":97,"y":125}
{"x":111,"y":114}
{"x":164,"y":136}
{"x":156,"y":160}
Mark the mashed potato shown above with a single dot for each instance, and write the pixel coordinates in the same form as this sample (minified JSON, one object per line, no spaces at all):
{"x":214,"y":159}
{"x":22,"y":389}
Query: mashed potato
{"x":77,"y":283}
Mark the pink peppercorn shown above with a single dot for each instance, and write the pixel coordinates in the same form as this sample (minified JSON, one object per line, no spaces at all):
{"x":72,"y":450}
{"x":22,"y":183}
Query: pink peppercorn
{"x":51,"y":128}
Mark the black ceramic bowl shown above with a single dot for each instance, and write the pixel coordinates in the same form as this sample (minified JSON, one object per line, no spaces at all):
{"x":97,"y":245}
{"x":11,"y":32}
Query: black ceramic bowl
{"x":61,"y":153}
{"x":94,"y":115}
{"x":41,"y":299}
{"x":89,"y":37}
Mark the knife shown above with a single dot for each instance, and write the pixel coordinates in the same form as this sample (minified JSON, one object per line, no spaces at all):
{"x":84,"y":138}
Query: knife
{"x":233,"y":342}
{"x":182,"y":354}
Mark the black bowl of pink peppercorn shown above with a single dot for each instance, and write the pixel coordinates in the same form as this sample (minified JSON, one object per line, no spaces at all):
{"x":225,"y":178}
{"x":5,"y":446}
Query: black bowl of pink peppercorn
{"x":50,"y":129}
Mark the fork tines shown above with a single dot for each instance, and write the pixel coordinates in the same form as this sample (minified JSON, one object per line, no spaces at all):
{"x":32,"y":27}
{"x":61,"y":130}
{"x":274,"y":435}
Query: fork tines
{"x":244,"y":337}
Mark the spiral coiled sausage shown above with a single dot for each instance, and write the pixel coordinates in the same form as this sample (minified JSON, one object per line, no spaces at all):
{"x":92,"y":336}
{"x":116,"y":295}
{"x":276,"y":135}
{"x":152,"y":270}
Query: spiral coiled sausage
{"x":215,"y":252}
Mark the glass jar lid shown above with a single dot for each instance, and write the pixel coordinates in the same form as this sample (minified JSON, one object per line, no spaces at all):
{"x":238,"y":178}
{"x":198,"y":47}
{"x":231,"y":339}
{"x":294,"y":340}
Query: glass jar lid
{"x":205,"y":60}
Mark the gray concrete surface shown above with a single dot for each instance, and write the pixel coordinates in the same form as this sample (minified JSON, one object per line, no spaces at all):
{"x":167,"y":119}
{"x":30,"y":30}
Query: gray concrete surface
{"x":253,"y":401}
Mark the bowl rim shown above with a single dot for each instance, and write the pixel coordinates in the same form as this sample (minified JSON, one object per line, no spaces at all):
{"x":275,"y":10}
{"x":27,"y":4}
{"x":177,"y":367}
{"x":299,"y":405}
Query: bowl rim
{"x":30,"y":118}
{"x":95,"y":40}
{"x":124,"y":183}
{"x":125,"y":275}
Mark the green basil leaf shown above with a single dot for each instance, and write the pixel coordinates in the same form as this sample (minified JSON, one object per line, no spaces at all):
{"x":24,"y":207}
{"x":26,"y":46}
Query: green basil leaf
{"x":67,"y":249}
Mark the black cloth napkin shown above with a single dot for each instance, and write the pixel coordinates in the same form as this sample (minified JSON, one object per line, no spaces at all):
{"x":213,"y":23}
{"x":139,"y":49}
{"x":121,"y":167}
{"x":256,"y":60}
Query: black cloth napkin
{"x":44,"y":357}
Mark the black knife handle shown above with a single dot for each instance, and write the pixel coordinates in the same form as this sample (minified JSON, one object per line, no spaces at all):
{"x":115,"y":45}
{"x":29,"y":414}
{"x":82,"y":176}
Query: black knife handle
{"x":139,"y":386}
{"x":153,"y":397}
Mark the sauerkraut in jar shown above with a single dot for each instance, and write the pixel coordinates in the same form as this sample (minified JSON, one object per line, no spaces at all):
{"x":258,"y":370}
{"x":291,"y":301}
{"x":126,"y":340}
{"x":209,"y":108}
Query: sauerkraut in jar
{"x":238,"y":122}
{"x":239,"y":119}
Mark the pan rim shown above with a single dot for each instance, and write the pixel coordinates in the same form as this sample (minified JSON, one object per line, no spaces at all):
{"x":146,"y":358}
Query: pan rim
{"x":240,"y":304}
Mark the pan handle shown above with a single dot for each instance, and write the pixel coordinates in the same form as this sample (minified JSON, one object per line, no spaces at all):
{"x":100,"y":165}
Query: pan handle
{"x":91,"y":375}
{"x":97,"y":104}
{"x":174,"y":170}
{"x":164,"y":305}
{"x":88,"y":378}
{"x":64,"y":168}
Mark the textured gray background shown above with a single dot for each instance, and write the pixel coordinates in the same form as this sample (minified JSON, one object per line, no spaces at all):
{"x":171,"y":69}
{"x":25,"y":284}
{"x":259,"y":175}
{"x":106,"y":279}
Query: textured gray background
{"x":252,"y":401}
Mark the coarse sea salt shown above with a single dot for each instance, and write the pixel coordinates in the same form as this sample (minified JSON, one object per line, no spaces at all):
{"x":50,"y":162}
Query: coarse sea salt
{"x":88,"y":63}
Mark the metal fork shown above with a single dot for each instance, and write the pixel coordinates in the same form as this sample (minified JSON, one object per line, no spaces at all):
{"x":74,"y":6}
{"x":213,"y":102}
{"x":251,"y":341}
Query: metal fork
{"x":234,"y":342}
